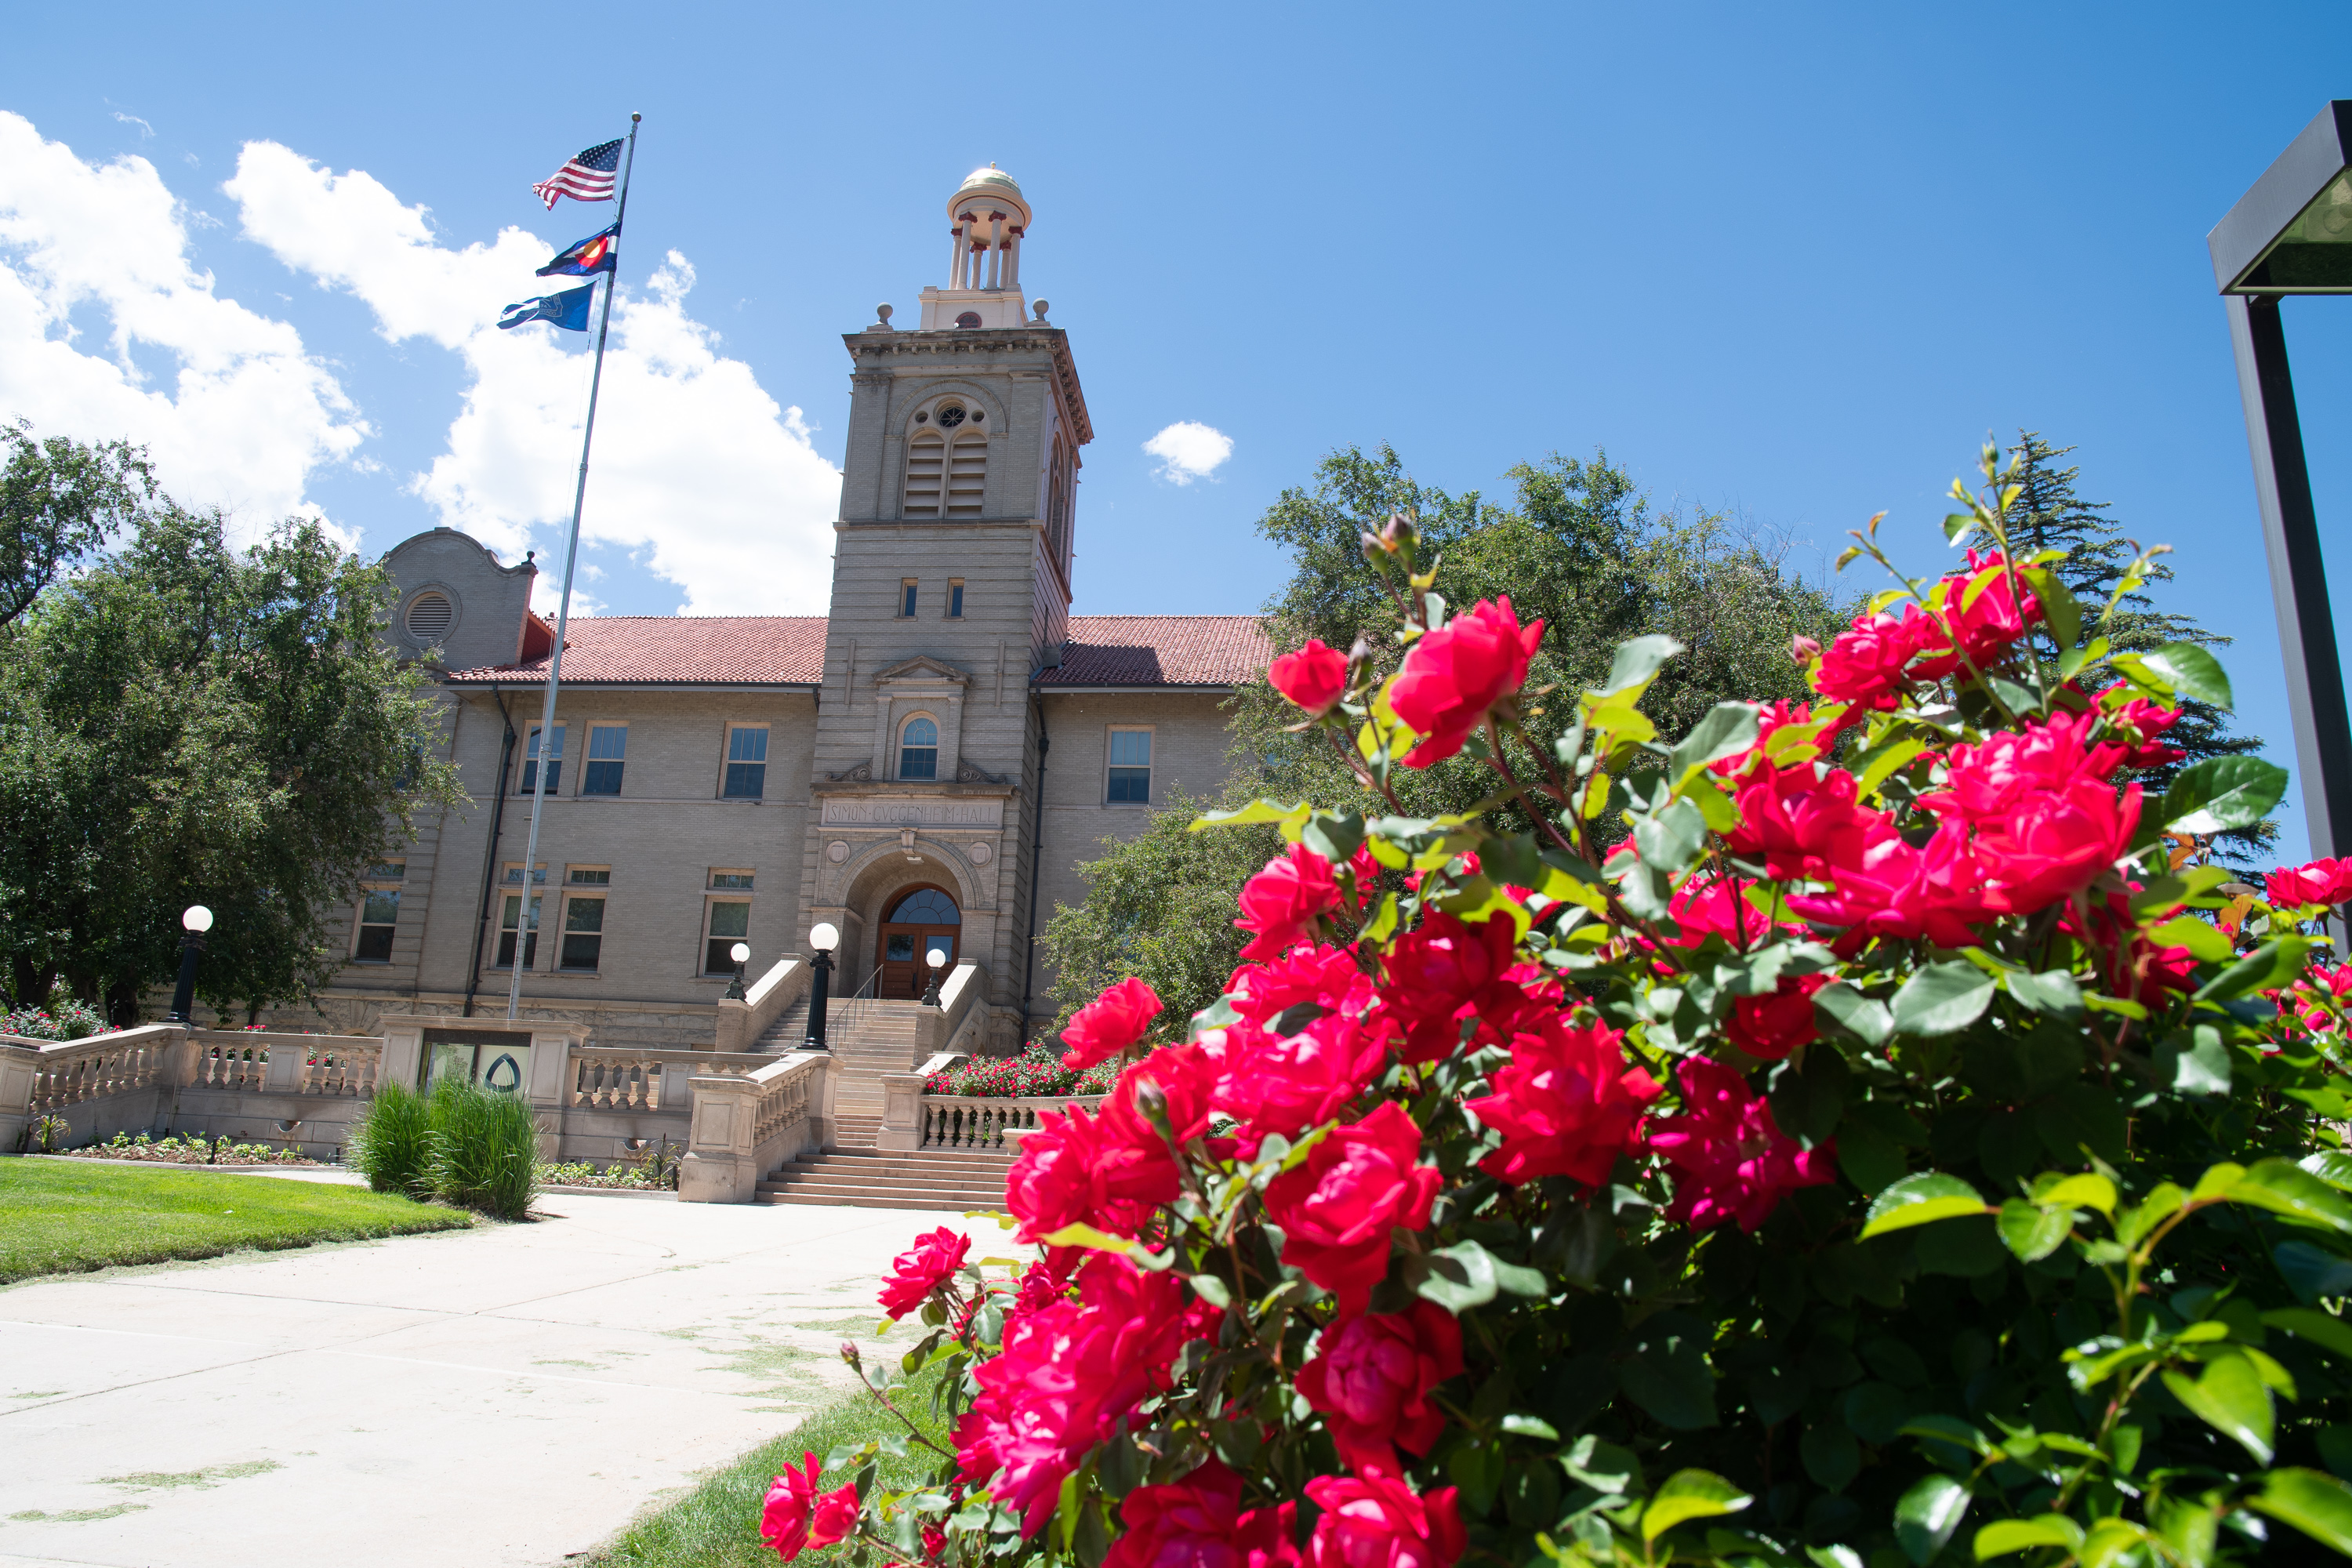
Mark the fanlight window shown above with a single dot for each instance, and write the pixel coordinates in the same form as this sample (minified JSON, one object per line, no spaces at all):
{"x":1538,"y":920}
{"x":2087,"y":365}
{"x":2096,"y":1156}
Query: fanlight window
{"x":927,"y":456}
{"x":926,"y":907}
{"x":918,"y":750}
{"x":430,"y":615}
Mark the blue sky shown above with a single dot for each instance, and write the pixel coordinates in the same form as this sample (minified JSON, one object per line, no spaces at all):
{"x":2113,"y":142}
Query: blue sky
{"x":1793,"y":262}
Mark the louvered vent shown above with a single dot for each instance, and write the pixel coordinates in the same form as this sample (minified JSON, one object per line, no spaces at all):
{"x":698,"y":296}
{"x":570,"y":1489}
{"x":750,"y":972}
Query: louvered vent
{"x":429,"y":615}
{"x":967,"y":475}
{"x":925,"y":458}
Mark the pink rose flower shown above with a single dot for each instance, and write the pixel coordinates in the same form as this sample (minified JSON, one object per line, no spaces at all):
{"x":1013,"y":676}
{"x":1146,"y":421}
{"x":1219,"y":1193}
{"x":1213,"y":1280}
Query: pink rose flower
{"x":1378,"y":1521}
{"x":1566,"y":1104}
{"x":1314,"y":677}
{"x":1730,"y":1158}
{"x":1453,"y":676}
{"x":1109,"y":1024}
{"x":1336,"y":1211}
{"x":1282,"y":903}
{"x":1285,"y":1084}
{"x":1372,"y":1376}
{"x":1982,"y":609}
{"x":2319,"y":882}
{"x":922,"y":1269}
{"x":1865,"y":667}
{"x":795,"y":1518}
{"x":2048,"y":823}
{"x":1328,"y":976}
{"x":1444,"y":972}
{"x":1770,"y":1027}
{"x":1800,"y":824}
{"x":1198,"y":1522}
{"x":1896,"y":890}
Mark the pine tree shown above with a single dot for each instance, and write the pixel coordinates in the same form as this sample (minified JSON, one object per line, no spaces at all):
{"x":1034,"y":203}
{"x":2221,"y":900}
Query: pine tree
{"x":2050,"y":515}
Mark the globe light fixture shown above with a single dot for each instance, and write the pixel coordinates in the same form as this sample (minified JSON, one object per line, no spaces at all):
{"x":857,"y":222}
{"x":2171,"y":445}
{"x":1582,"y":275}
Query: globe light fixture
{"x":741,"y":953}
{"x":823,"y":937}
{"x":197,"y":918}
{"x":194,"y":921}
{"x":937,"y":959}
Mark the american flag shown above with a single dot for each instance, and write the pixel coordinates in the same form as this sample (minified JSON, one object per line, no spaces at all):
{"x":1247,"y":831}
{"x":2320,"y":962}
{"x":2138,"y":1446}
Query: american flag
{"x":588,"y":177}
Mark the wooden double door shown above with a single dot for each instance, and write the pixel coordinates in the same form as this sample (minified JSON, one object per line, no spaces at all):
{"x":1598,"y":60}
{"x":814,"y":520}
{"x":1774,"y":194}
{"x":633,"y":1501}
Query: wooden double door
{"x":924,"y":920}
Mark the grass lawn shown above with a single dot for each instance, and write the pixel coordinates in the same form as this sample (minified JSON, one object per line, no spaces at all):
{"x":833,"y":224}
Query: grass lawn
{"x":61,"y":1217}
{"x":717,"y":1525}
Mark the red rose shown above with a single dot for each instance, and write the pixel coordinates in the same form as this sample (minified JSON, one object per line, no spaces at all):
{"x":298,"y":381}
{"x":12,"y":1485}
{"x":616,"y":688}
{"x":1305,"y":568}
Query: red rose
{"x":1372,"y":1376}
{"x":1770,"y":1027}
{"x":1708,"y":905}
{"x":1378,"y":1521}
{"x":1800,"y":824}
{"x":2320,"y":882}
{"x":1730,"y":1158}
{"x":2139,"y":722}
{"x":1314,"y":677}
{"x":1074,"y":1169}
{"x":1288,"y":1083}
{"x":1865,"y":667}
{"x":1566,"y":1104}
{"x":2132,"y":967}
{"x":1443,"y":971}
{"x":1109,"y":1024}
{"x":1197,"y":1522}
{"x":1282,"y":903}
{"x":796,"y":1517}
{"x":1981,"y":606}
{"x":1336,"y":1211}
{"x":1896,"y":890}
{"x":922,"y":1269}
{"x":1454,"y":675}
{"x":1327,"y":976}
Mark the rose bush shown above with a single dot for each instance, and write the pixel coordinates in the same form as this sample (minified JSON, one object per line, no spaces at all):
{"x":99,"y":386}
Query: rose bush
{"x":1858,"y":1134}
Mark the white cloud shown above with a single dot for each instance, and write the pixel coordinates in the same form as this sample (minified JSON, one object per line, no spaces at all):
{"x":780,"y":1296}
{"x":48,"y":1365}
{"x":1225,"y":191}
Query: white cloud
{"x":1189,"y":450}
{"x":145,"y":129}
{"x":697,"y":469}
{"x":234,"y":411}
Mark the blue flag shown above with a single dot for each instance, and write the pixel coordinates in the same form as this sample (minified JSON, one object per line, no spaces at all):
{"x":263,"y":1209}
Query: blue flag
{"x":593,"y":255}
{"x":568,"y":309}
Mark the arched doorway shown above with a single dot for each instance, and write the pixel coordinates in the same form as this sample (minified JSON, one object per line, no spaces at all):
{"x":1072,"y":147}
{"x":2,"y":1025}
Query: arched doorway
{"x":922,"y":920}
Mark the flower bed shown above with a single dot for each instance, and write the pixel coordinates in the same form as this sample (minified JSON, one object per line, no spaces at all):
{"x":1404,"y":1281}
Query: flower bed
{"x":194,"y":1149}
{"x":620,"y":1176}
{"x":66,"y":1021}
{"x":1036,"y":1073}
{"x":1863,"y":1133}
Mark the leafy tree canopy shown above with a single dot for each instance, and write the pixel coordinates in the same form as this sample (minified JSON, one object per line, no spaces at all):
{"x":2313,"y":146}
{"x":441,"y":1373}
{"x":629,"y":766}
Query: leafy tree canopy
{"x":59,"y":500}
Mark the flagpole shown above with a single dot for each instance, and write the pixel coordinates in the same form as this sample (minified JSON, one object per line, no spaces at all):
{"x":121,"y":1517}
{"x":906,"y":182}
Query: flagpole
{"x":525,"y":918}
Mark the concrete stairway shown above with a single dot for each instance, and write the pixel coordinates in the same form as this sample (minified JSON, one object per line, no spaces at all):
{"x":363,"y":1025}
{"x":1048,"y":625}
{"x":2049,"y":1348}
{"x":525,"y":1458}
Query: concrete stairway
{"x":789,"y":1030}
{"x":866,"y":1178}
{"x":869,"y":1039}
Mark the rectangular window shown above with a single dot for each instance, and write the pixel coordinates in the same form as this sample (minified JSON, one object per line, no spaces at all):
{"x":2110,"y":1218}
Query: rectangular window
{"x":730,"y":922}
{"x":747,"y":762}
{"x":554,"y":762}
{"x":583,"y":932}
{"x":1130,"y":767}
{"x":591,"y":877}
{"x":907,"y":597}
{"x":510,"y":917}
{"x":731,"y":881}
{"x":379,"y":913}
{"x":608,"y":747}
{"x":386,"y":871}
{"x":955,"y":599}
{"x":513,"y":878}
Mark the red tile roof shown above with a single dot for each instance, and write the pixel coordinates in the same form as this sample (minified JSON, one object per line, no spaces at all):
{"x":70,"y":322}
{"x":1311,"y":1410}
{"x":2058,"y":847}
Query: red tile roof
{"x":789,"y":650}
{"x":682,"y":650}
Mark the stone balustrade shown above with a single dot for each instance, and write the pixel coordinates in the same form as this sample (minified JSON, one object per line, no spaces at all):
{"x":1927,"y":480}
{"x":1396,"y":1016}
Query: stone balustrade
{"x":620,"y":1080}
{"x":52,"y":1077}
{"x":746,"y":1125}
{"x":912,"y":1119}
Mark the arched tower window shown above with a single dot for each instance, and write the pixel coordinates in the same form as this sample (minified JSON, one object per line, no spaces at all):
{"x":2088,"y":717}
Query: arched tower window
{"x":1058,"y":505}
{"x":927,"y":456}
{"x":919,"y":749}
{"x":967,"y":472}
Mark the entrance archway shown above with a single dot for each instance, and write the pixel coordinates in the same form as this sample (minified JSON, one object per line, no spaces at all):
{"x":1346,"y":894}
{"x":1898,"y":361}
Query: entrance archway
{"x":923,"y":918}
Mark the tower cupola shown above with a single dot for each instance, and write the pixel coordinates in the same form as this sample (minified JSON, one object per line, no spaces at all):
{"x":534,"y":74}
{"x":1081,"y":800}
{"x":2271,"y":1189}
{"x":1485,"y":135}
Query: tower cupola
{"x":987,"y":219}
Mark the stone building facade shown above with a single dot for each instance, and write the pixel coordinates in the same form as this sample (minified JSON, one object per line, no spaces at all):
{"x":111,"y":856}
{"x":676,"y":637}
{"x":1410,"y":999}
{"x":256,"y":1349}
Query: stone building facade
{"x":924,"y":766}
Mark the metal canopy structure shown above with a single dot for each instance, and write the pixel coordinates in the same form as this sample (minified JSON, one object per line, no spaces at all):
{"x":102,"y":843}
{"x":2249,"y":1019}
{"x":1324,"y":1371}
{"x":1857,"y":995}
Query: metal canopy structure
{"x":2291,"y":234}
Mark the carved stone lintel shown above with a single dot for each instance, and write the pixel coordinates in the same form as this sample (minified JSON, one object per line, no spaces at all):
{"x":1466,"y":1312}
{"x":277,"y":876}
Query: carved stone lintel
{"x":861,"y":774}
{"x":967,"y":772}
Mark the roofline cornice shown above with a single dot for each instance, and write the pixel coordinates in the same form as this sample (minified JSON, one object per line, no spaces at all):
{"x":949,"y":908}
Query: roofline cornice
{"x":872,"y":345}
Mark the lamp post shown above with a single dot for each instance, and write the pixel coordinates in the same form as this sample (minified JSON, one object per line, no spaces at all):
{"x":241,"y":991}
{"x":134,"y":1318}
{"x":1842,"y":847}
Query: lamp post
{"x":741,"y":953}
{"x":2290,"y":233}
{"x":937,"y":959}
{"x":194,"y":923}
{"x":824,"y":938}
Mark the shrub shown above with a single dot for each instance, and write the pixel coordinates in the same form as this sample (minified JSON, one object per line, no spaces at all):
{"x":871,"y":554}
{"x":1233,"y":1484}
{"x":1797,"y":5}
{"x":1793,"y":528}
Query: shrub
{"x":64,"y":1020}
{"x":1037,"y":1071}
{"x":1900,"y":1146}
{"x":482,"y":1148}
{"x":388,"y":1141}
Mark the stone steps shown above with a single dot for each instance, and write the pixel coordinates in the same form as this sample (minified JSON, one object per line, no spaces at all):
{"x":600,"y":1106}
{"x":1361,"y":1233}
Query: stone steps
{"x":869,"y":1178}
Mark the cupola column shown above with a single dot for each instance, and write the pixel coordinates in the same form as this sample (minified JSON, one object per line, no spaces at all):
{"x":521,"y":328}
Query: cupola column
{"x":1013,"y":259}
{"x":955,"y":251}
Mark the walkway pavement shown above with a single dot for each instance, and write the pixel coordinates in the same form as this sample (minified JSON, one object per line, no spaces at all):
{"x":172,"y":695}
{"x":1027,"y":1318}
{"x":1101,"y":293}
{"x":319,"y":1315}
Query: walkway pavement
{"x":508,"y":1395}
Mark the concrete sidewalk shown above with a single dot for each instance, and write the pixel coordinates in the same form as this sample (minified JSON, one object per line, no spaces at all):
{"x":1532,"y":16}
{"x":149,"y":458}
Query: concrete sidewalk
{"x":506,"y":1395}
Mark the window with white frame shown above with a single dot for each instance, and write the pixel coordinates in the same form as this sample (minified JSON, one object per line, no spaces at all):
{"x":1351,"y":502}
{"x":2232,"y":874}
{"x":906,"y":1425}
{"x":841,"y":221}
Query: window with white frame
{"x":608,"y":751}
{"x":554,"y":762}
{"x":379,"y":913}
{"x":955,"y":599}
{"x":907,"y":592}
{"x":746,"y":761}
{"x":918,"y":748}
{"x":725,"y":922}
{"x":514,"y":923}
{"x":583,"y":930}
{"x":1130,"y":768}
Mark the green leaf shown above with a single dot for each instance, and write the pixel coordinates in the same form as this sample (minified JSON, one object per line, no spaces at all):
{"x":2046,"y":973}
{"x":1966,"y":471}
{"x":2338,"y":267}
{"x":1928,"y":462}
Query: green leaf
{"x":1334,"y":834}
{"x":2195,"y":1064}
{"x":1942,"y":999}
{"x":2206,"y":943}
{"x":2285,"y":1188}
{"x":2222,"y":791}
{"x":1690,"y":1494}
{"x":1921,"y":1200}
{"x":1636,"y":663}
{"x":2054,"y":991}
{"x":2233,"y":1399}
{"x":1928,"y":1514}
{"x":2005,"y":1536}
{"x":1876,"y":766}
{"x":2031,"y":1232}
{"x":2311,"y":1272}
{"x":2193,"y":672}
{"x":2090,"y":1189}
{"x":1868,"y":1019}
{"x":2333,"y":1166}
{"x":1256,"y":811}
{"x":1726,"y":729}
{"x":2270,"y":966}
{"x":1520,"y":1425}
{"x":1466,"y":1275}
{"x":1212,"y":1290}
{"x":2328,"y":1332}
{"x":1669,"y":839}
{"x":2318,"y":1505}
{"x":1669,"y":1377}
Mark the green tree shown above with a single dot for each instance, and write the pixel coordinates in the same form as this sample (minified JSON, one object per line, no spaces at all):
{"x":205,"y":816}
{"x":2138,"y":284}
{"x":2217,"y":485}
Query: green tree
{"x":184,"y":723}
{"x":59,"y":500}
